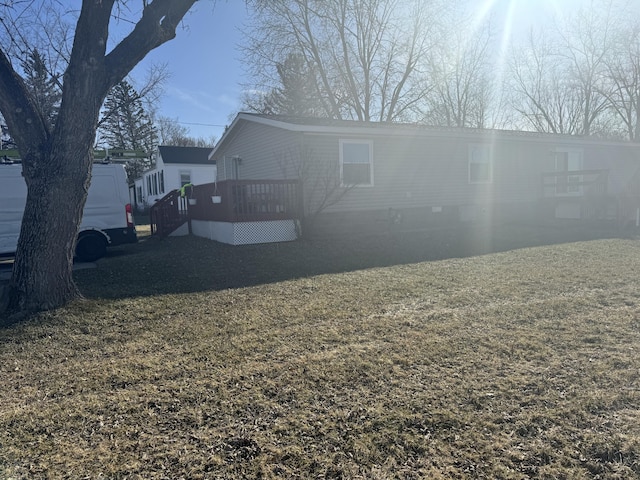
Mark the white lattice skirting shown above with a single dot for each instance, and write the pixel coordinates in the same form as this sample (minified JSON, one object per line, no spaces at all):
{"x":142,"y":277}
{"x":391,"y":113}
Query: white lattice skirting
{"x":245,"y":233}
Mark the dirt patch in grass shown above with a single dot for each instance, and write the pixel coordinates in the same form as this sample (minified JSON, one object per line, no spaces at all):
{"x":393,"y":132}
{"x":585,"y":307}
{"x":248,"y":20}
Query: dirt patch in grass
{"x":306,"y":362}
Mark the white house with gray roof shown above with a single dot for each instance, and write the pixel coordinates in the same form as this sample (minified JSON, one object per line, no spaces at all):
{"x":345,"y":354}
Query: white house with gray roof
{"x":174,"y":167}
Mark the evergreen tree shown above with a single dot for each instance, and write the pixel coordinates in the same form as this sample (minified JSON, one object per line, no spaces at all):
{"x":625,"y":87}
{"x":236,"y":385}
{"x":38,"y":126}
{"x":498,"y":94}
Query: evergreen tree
{"x":42,"y":85}
{"x":297,"y":93}
{"x":127,"y":125}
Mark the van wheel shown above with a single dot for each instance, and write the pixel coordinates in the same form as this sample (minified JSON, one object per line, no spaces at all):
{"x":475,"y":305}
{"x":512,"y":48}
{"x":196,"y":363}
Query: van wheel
{"x":91,"y":247}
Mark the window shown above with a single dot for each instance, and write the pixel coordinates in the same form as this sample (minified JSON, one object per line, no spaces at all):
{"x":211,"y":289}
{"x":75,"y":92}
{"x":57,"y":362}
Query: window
{"x":185,"y":177}
{"x":567,"y":161}
{"x":480,"y":164}
{"x":149,"y":185}
{"x":356,"y":162}
{"x":162,"y":181}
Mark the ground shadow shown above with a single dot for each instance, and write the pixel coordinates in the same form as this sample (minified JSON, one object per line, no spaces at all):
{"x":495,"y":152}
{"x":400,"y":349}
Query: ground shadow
{"x":190,"y":264}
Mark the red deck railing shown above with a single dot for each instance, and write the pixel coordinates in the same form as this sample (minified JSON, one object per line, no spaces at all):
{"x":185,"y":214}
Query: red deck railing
{"x":228,"y":201}
{"x":246,"y":201}
{"x":168,"y":213}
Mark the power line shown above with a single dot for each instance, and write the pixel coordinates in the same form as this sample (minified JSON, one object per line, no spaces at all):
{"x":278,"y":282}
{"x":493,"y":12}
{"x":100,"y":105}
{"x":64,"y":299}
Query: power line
{"x":201,"y":124}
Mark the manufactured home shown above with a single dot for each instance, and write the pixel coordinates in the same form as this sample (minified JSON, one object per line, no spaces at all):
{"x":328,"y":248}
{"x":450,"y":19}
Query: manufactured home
{"x":364,"y":177}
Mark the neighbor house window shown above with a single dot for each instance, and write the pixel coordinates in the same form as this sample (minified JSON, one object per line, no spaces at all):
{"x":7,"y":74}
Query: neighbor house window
{"x":566,"y":162}
{"x":149,"y":185}
{"x":356,"y":162}
{"x":162,"y":181}
{"x":480,"y":164}
{"x":185,"y":177}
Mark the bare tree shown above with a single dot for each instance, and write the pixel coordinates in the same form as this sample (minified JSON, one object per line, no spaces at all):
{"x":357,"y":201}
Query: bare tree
{"x":623,"y":80}
{"x":57,"y":159}
{"x":365,"y":54}
{"x":170,"y":132}
{"x":543,"y":93}
{"x":459,"y":70}
{"x":559,"y":78}
{"x":319,"y":176}
{"x":587,"y":42}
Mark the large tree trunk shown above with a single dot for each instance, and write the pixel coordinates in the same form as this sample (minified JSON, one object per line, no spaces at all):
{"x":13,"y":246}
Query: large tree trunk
{"x":42,"y":271}
{"x":57,"y":163}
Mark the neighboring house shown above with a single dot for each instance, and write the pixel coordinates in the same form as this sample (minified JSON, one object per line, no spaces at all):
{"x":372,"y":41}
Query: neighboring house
{"x":364,"y":177}
{"x":174,"y":167}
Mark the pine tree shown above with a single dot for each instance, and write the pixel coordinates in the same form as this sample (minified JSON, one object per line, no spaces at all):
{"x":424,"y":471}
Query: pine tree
{"x":127,"y":125}
{"x":42,"y":85}
{"x":297,"y":93}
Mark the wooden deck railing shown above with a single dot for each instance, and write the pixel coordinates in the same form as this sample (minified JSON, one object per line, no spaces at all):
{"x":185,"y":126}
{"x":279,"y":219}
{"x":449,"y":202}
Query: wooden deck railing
{"x":246,"y":201}
{"x":227,"y":201}
{"x":168,"y":213}
{"x":575,"y":183}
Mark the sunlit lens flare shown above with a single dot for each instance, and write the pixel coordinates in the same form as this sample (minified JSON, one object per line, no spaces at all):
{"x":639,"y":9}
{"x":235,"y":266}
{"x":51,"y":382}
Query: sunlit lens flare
{"x":484,"y":11}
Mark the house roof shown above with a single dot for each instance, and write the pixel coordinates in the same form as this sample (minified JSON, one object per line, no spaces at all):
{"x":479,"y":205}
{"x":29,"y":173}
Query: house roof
{"x":184,"y":155}
{"x":355,"y":127}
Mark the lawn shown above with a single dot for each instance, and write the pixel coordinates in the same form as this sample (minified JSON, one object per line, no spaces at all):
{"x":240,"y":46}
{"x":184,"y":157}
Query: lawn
{"x":376,"y":359}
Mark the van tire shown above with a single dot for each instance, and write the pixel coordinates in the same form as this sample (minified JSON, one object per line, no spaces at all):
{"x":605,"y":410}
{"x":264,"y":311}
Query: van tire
{"x":91,"y":247}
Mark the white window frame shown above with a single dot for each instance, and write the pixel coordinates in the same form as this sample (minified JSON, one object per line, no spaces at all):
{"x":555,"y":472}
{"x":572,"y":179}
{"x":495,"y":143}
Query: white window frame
{"x":356,"y":141}
{"x":184,"y":172}
{"x":488,"y":149}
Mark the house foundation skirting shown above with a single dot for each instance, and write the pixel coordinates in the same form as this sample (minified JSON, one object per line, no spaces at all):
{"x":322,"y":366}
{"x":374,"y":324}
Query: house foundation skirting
{"x":372,"y":222}
{"x":245,"y":233}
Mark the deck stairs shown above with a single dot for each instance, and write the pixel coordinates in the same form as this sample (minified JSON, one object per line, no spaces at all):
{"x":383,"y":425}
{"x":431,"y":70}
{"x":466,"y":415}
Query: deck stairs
{"x":168,"y":214}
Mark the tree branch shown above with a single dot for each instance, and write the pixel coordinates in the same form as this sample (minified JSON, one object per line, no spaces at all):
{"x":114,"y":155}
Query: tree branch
{"x":21,"y":114}
{"x":158,"y":24}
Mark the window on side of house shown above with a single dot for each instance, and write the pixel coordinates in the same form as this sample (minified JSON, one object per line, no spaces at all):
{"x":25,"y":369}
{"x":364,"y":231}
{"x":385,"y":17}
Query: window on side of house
{"x":356,"y":162}
{"x":480,"y":164}
{"x":149,"y":185}
{"x":185,"y":177}
{"x":162,"y":182}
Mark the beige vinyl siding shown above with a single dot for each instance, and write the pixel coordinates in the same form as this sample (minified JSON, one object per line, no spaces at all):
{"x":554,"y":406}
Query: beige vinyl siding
{"x":430,"y":170}
{"x":434,"y":171}
{"x":623,"y":162}
{"x":264,"y":151}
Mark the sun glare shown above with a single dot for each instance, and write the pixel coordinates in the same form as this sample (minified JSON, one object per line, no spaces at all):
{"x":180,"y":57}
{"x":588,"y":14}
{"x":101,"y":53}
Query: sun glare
{"x":511,"y":20}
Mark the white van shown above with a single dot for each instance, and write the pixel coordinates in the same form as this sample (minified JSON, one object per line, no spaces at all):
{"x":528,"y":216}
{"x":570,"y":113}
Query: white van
{"x":107,"y":219}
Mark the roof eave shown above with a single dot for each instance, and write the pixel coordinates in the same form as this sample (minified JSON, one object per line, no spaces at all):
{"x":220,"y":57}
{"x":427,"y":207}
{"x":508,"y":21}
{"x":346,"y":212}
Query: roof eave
{"x":409,"y":131}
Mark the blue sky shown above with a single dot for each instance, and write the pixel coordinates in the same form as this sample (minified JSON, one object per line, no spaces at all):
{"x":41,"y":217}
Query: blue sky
{"x":205,"y":87}
{"x":205,"y":67}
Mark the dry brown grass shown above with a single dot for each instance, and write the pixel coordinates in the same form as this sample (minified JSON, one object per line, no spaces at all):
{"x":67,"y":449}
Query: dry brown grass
{"x":196,"y":360}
